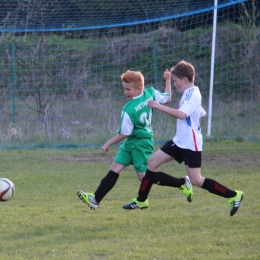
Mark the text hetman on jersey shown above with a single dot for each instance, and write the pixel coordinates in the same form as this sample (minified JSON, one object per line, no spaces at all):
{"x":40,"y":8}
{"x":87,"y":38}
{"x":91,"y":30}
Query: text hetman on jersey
{"x":143,"y":104}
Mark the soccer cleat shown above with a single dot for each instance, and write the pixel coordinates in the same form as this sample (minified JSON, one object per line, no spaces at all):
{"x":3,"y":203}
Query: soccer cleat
{"x":135,"y":204}
{"x":187,"y":189}
{"x":88,"y":198}
{"x":235,"y":202}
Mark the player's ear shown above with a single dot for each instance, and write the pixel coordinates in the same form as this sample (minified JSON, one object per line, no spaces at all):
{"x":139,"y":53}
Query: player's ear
{"x":139,"y":87}
{"x":185,"y":79}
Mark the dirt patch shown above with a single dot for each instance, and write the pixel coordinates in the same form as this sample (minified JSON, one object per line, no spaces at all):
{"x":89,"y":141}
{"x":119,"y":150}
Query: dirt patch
{"x":235,"y":161}
{"x":91,"y":158}
{"x":228,"y":160}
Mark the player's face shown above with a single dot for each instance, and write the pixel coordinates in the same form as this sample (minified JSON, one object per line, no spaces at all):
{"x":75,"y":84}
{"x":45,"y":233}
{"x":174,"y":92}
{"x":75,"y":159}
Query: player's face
{"x":179,"y":83}
{"x":130,"y":91}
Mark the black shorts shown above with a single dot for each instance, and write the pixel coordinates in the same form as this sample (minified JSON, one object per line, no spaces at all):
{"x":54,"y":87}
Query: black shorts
{"x":190,"y":158}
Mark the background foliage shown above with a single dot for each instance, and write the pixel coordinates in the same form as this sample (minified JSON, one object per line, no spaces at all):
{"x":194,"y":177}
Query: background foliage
{"x":61,"y":87}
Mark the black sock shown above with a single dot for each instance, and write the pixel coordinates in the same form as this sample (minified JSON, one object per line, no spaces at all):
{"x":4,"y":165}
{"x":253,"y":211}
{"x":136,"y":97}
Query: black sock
{"x":165,"y":179}
{"x":106,"y":184}
{"x":146,"y":185}
{"x":218,"y":189}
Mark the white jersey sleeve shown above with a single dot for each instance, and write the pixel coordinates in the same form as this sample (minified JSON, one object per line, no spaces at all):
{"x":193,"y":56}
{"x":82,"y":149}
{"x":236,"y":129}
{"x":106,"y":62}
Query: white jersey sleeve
{"x":161,"y":97}
{"x":202,"y":112}
{"x":190,"y":102}
{"x":126,"y":124}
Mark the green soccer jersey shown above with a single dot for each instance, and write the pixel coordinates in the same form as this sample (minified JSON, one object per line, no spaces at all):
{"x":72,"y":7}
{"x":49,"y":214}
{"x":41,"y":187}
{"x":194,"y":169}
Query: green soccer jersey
{"x":136,"y":116}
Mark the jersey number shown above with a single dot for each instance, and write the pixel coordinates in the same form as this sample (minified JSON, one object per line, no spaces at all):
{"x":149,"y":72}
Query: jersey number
{"x":146,"y":120}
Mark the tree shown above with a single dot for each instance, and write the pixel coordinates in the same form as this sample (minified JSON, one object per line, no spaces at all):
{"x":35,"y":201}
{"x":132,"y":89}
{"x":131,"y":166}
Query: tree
{"x":251,"y":44}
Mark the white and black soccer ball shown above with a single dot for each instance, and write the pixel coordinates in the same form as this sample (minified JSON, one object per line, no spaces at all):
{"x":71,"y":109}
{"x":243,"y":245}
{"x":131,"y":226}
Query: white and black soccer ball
{"x":6,"y":189}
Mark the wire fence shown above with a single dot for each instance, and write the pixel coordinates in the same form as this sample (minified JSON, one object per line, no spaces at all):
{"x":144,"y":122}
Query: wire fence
{"x":60,"y":70}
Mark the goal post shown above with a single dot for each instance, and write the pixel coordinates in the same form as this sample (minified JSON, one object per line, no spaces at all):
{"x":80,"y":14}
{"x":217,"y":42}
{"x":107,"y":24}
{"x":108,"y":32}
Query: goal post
{"x":215,"y":17}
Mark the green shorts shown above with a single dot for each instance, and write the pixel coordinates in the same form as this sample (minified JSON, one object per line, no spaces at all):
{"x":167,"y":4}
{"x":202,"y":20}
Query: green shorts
{"x":135,"y":151}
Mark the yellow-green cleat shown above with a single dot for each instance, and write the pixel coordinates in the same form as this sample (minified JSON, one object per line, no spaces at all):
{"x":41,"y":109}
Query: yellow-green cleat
{"x":135,"y":204}
{"x":187,"y":189}
{"x":88,"y":198}
{"x":235,"y":202}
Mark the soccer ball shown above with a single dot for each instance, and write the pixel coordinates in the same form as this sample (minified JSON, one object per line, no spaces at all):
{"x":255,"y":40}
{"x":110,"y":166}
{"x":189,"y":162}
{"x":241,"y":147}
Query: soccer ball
{"x":6,"y":189}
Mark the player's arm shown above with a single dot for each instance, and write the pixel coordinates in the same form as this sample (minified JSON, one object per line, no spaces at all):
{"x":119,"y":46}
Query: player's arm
{"x":114,"y":140}
{"x":168,"y":87}
{"x":126,"y":128}
{"x":167,"y":110}
{"x":202,"y":112}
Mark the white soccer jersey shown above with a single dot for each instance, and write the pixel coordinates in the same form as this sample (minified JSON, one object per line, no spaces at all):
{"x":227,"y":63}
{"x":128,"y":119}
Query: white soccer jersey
{"x":188,"y":132}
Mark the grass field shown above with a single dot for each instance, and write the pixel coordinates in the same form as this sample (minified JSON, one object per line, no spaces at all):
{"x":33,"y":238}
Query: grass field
{"x":46,"y":220}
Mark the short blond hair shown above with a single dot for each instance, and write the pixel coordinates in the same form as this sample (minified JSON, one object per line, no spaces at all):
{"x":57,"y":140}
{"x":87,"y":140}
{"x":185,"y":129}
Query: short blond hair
{"x":133,"y":76}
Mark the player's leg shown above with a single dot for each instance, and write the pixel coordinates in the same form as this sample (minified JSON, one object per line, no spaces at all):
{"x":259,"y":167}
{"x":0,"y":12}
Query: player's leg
{"x":141,"y":154}
{"x":164,"y":179}
{"x":141,"y":201}
{"x":140,"y":161}
{"x":234,"y":197}
{"x":154,"y":162}
{"x":184,"y":185}
{"x":141,"y":150}
{"x":168,"y":152}
{"x":107,"y":183}
{"x":123,"y":159}
{"x":140,"y":175}
{"x":195,"y":176}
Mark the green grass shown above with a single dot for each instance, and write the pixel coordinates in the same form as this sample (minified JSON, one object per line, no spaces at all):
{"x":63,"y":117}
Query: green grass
{"x":46,"y":220}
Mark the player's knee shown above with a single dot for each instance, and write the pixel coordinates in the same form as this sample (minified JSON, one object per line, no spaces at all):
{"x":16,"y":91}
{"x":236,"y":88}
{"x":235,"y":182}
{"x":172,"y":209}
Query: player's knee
{"x":196,"y":181}
{"x":140,"y":176}
{"x":152,"y":164}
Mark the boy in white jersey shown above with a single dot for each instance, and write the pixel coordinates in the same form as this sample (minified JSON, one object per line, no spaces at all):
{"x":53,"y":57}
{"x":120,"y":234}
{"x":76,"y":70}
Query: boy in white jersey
{"x":185,"y":146}
{"x":136,"y":131}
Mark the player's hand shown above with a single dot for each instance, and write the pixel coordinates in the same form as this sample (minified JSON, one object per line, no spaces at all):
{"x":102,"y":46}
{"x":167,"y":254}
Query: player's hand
{"x":167,"y":75}
{"x":106,"y":148}
{"x":153,"y":104}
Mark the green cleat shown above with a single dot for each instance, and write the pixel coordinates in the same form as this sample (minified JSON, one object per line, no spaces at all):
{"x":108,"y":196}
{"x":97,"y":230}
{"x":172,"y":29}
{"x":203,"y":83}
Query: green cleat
{"x":88,"y":198}
{"x":187,"y":189}
{"x":235,"y":202}
{"x":135,"y":204}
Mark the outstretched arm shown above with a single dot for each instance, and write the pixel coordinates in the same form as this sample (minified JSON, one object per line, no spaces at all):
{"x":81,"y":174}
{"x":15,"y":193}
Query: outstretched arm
{"x":168,"y":88}
{"x":167,"y":110}
{"x":114,"y":140}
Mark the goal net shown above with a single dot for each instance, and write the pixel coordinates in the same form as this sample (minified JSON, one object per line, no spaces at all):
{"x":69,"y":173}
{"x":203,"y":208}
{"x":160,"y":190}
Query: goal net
{"x":61,"y":61}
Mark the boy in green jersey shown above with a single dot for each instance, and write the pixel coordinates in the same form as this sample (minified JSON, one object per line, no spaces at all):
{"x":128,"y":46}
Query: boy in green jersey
{"x":136,"y":131}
